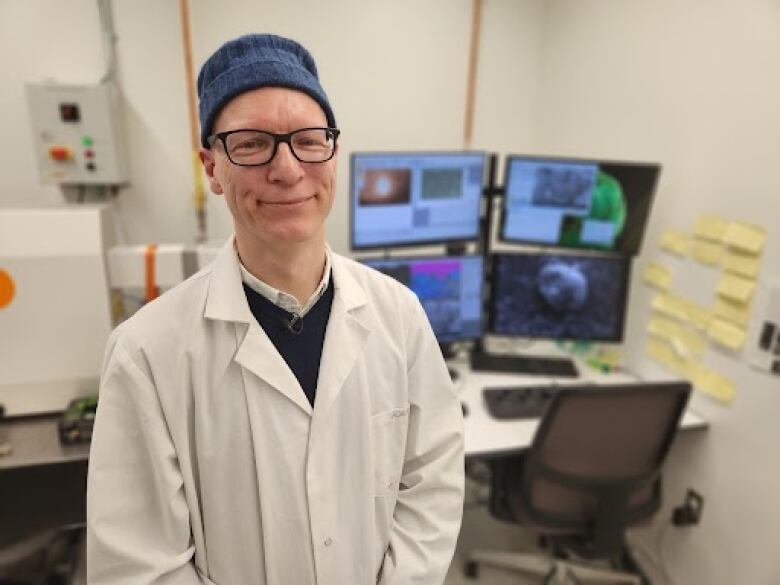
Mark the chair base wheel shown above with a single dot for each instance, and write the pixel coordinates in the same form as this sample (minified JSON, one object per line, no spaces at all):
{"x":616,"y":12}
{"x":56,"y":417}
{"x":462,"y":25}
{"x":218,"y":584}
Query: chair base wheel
{"x":471,"y":569}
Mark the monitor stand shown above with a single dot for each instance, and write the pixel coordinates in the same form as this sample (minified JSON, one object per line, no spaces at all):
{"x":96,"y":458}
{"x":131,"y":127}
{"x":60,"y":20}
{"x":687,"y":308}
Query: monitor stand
{"x":536,"y":365}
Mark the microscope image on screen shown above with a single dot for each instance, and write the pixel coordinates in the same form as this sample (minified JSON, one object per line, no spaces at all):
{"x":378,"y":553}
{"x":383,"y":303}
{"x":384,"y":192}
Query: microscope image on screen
{"x":408,"y":198}
{"x":559,"y":297}
{"x":385,"y":187}
{"x":563,"y":287}
{"x":441,"y":183}
{"x":449,"y":289}
{"x":438,"y":285}
{"x":578,"y":203}
{"x":563,"y":186}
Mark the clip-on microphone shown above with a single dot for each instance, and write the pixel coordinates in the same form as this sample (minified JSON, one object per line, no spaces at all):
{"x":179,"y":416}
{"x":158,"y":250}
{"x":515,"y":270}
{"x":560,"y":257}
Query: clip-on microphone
{"x":294,"y":325}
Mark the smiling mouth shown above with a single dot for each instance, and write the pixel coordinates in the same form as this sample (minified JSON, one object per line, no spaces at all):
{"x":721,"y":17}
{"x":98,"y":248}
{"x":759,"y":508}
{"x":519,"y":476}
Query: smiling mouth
{"x":286,"y":203}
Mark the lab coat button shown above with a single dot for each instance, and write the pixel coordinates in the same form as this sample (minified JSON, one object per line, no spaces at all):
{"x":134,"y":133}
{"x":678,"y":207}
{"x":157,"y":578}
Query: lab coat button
{"x":328,"y":541}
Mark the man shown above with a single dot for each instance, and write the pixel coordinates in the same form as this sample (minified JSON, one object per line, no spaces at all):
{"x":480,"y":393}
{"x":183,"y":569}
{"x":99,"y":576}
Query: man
{"x":283,"y":417}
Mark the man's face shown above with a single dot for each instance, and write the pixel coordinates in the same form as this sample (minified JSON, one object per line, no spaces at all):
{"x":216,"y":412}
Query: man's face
{"x":284,"y":201}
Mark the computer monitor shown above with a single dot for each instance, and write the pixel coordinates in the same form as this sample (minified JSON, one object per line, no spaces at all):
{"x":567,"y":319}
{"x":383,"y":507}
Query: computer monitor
{"x":412,"y":198}
{"x":576,"y":203}
{"x":449,"y":288}
{"x":554,"y":296}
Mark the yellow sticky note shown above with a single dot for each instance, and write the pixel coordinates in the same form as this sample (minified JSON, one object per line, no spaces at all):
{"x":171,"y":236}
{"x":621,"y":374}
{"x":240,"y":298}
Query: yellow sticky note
{"x":727,"y":334}
{"x":695,"y":343}
{"x":711,"y":227}
{"x":746,"y":265}
{"x":707,"y":252}
{"x":684,"y":341}
{"x":666,"y":329}
{"x":745,"y":237}
{"x":736,"y":288}
{"x":675,"y":242}
{"x":661,"y":327}
{"x":737,"y":313}
{"x":714,"y":384}
{"x":657,"y":275}
{"x":670,"y":305}
{"x":656,"y":349}
{"x":697,"y":315}
{"x":663,"y":353}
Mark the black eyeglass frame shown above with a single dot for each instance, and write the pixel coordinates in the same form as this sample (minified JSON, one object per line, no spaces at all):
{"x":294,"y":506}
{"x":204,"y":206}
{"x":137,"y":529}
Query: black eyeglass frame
{"x":278,"y":138}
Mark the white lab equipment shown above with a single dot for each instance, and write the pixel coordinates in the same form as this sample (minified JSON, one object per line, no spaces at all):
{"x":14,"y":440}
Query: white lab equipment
{"x":129,"y":267}
{"x":140,"y":273}
{"x":77,"y":133}
{"x":56,"y":317}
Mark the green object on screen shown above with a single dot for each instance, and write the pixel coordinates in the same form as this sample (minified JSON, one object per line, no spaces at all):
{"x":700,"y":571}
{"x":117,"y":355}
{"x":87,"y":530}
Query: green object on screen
{"x":607,"y":204}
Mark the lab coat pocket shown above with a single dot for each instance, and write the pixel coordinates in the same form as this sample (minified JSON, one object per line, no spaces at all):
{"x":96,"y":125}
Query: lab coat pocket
{"x":388,"y":435}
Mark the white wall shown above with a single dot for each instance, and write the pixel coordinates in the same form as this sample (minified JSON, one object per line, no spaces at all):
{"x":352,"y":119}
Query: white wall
{"x":395,"y":73}
{"x":507,"y":85}
{"x":694,"y":85}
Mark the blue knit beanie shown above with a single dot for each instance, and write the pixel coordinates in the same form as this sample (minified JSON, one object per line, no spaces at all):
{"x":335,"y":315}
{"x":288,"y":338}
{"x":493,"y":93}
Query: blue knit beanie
{"x":254,"y":61}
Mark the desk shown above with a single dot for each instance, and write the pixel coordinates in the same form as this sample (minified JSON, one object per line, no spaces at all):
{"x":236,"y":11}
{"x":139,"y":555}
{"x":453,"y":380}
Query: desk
{"x":42,"y":483}
{"x":40,"y":461}
{"x":486,"y":436}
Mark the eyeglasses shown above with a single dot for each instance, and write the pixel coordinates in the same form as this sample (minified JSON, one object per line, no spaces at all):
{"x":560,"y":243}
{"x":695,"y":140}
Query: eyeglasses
{"x":254,"y":148}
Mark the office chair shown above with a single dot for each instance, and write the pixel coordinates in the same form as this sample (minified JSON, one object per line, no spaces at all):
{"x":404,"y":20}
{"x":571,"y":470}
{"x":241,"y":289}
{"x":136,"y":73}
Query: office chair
{"x":592,"y":471}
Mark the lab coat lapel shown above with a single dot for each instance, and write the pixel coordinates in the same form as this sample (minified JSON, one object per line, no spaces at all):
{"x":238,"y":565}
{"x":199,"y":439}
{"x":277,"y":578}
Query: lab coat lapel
{"x":258,"y":355}
{"x":226,"y":301}
{"x":345,"y":335}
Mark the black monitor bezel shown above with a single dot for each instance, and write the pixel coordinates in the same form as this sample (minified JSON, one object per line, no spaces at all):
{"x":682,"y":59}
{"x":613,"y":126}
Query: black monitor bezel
{"x":626,"y":280}
{"x":416,"y":243}
{"x":428,"y":258}
{"x":502,"y":237}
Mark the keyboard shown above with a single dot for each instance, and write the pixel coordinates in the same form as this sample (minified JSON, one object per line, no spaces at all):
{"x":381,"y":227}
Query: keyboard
{"x":524,"y":364}
{"x":518,"y":402}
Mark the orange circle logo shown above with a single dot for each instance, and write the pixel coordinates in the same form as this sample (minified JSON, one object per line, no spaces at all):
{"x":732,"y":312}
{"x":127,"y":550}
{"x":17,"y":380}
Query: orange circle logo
{"x":7,"y":289}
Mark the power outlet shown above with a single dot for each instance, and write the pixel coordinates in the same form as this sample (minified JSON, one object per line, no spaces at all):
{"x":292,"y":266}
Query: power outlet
{"x":689,"y":513}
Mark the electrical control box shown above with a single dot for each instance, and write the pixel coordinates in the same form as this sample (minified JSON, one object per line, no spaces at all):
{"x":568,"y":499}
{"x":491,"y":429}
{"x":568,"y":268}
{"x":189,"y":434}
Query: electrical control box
{"x":77,"y":133}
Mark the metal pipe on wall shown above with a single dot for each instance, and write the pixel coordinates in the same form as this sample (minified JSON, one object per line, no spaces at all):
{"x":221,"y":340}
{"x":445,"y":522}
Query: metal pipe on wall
{"x":471,"y":82}
{"x":199,"y":192}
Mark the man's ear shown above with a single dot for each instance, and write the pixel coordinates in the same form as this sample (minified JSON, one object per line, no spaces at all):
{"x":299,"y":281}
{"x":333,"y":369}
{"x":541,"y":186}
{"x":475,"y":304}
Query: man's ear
{"x":207,"y":158}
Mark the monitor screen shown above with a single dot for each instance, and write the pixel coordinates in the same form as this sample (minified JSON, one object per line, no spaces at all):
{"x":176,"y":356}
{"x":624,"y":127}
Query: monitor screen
{"x":555,"y":296}
{"x":449,"y":289}
{"x":400,"y":199}
{"x":577,"y":203}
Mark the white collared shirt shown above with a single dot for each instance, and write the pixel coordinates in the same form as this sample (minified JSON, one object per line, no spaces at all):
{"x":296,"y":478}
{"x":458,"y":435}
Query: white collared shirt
{"x":282,"y":299}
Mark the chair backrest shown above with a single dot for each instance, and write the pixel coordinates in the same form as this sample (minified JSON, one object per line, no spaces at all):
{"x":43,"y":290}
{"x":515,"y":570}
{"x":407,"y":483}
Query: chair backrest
{"x":594,"y":465}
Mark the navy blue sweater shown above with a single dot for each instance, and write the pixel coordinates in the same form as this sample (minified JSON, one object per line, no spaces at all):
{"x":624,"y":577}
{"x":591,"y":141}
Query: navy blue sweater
{"x":302,"y":351}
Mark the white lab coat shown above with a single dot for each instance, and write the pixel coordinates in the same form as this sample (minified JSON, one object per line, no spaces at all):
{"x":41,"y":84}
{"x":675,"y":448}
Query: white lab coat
{"x":209,"y":466}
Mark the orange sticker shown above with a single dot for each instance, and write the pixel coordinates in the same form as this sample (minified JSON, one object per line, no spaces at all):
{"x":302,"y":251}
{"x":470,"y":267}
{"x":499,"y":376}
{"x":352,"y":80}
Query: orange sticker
{"x":7,"y":289}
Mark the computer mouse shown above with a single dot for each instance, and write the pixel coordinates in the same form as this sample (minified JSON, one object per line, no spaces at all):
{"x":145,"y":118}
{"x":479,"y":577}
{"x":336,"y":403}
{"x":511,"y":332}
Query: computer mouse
{"x":464,"y":407}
